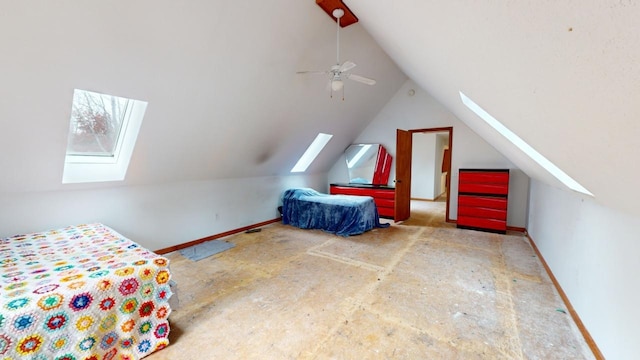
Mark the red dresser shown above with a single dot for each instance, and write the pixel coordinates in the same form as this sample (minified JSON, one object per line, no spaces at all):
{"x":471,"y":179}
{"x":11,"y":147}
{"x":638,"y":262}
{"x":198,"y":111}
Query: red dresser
{"x":482,"y":199}
{"x":384,"y":196}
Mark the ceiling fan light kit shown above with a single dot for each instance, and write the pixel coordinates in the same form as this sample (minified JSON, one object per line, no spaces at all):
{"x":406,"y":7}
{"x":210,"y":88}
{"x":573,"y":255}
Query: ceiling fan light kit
{"x":339,"y":72}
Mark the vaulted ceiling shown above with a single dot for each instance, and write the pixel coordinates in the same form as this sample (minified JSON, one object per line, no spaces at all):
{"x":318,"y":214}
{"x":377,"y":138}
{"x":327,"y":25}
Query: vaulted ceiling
{"x":563,"y":75}
{"x":225,"y":100}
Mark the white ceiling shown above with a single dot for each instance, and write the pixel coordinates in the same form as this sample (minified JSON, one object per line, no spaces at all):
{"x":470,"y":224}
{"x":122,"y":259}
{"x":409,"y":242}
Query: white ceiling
{"x":563,"y":75}
{"x":225,"y":102}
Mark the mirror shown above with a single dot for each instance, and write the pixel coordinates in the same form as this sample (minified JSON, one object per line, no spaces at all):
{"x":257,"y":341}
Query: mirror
{"x":368,"y":164}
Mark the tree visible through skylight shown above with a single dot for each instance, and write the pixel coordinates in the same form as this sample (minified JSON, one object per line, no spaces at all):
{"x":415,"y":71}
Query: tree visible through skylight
{"x":96,"y":122}
{"x":524,"y":146}
{"x":102,"y":134}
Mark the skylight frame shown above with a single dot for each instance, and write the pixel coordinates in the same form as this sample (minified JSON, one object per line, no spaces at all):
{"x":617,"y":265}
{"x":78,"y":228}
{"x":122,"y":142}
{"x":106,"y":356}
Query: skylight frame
{"x":312,"y":152}
{"x":81,"y":168}
{"x":91,"y":112}
{"x":96,"y":158}
{"x":540,"y":159}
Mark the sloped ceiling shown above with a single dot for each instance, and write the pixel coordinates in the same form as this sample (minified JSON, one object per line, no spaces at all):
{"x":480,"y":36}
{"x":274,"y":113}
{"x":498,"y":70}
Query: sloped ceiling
{"x":225,"y":102}
{"x":563,"y":75}
{"x":219,"y":76}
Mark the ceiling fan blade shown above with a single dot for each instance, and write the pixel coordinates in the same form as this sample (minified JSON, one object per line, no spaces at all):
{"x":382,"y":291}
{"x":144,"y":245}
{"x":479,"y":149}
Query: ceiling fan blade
{"x":347,"y":65}
{"x":312,"y":72}
{"x":361,"y":79}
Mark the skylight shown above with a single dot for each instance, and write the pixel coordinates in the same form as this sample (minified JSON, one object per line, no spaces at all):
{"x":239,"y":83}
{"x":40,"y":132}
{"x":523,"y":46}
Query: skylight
{"x":102,"y":133}
{"x":312,"y":152}
{"x":525,"y":147}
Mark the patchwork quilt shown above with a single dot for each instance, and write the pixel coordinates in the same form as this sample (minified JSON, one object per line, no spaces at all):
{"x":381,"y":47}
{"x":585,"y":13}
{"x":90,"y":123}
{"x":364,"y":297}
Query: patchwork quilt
{"x":83,"y":292}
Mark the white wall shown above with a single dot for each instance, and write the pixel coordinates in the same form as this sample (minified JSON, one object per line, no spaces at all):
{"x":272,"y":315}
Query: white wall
{"x":155,"y":216}
{"x":423,"y":166}
{"x":215,"y":86}
{"x":422,"y":111}
{"x":442,"y":143}
{"x":593,"y":252}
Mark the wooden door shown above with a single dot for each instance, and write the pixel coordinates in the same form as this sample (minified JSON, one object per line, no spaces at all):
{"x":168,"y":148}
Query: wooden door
{"x":403,"y":175}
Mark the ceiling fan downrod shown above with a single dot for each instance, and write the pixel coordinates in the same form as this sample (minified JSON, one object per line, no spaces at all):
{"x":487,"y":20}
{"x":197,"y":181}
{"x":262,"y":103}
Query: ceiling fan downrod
{"x":338,"y":13}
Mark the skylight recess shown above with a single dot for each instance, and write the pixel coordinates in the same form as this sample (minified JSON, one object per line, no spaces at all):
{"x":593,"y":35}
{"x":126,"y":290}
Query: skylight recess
{"x":524,"y":146}
{"x":312,"y":152}
{"x":102,"y":133}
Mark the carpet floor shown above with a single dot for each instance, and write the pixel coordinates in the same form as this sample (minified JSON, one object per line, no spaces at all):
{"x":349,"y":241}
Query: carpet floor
{"x":421,"y":289}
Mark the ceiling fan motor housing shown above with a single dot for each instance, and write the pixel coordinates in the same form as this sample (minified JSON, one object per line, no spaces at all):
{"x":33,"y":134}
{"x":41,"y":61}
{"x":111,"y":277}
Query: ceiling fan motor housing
{"x":337,"y":71}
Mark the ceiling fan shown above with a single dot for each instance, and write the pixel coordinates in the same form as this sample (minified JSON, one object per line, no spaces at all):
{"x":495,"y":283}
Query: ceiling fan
{"x":339,"y":72}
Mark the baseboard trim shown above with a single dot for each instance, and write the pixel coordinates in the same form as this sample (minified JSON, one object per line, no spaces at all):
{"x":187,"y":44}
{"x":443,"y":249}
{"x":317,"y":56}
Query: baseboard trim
{"x":518,"y":229}
{"x":422,"y":199}
{"x":585,"y":333}
{"x":509,"y":228}
{"x":213,"y":237}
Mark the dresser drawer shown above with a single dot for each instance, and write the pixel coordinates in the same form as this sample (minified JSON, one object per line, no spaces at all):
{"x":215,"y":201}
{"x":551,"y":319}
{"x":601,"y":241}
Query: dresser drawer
{"x":481,"y":223}
{"x":384,"y":197}
{"x":383,"y":194}
{"x":474,"y":188}
{"x":386,"y":212}
{"x":389,"y":203}
{"x":347,"y":191}
{"x":482,"y":212}
{"x":483,"y":201}
{"x":485,"y":177}
{"x":376,"y":193}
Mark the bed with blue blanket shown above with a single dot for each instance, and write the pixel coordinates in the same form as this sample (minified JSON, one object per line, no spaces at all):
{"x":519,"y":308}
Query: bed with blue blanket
{"x":338,"y":214}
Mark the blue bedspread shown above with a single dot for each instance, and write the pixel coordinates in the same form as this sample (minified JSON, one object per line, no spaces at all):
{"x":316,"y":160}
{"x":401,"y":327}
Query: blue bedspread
{"x":339,"y":214}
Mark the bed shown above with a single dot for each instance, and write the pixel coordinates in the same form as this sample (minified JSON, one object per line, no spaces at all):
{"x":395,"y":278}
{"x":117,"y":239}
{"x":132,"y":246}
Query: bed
{"x":338,"y":214}
{"x":83,"y":292}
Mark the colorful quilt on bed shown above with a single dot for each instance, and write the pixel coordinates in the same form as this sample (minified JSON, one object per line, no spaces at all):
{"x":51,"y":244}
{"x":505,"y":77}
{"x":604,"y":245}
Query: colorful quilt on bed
{"x":83,"y":292}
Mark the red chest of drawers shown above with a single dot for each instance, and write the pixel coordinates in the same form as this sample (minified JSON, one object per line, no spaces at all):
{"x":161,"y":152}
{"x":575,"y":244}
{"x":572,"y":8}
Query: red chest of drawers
{"x":383,"y":196}
{"x":482,"y":199}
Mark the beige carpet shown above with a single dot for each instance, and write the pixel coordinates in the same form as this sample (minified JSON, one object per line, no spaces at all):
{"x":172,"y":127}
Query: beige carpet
{"x":409,"y":291}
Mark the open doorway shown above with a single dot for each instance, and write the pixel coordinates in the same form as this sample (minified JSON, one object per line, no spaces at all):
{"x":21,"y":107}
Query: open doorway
{"x":428,"y":169}
{"x":429,"y":152}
